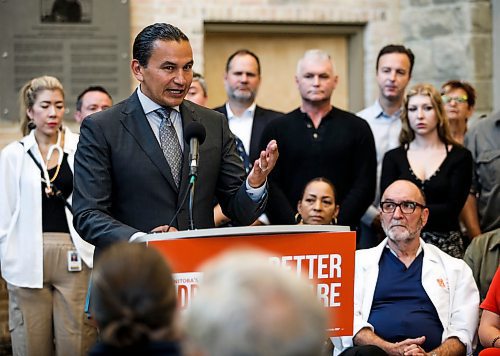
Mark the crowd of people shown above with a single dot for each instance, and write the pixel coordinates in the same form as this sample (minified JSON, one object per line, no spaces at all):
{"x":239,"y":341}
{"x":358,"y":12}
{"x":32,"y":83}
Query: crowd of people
{"x":418,"y":183}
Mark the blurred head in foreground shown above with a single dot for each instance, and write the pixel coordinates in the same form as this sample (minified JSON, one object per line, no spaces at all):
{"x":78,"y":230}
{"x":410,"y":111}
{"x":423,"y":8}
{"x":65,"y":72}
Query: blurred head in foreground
{"x":245,"y":306}
{"x":133,"y":296}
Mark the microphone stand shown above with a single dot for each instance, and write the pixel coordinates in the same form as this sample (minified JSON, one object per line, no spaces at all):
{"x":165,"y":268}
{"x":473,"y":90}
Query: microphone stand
{"x":192,"y":183}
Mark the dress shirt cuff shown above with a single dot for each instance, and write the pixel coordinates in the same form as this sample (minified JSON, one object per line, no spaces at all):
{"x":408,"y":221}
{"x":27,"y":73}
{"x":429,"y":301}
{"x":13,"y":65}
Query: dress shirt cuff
{"x":369,"y":215}
{"x":264,"y":219}
{"x":136,"y":236}
{"x":256,"y":194}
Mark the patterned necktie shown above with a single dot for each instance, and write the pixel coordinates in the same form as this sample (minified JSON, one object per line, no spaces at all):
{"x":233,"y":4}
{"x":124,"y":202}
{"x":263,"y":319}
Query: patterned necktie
{"x":243,"y":155}
{"x":169,"y":143}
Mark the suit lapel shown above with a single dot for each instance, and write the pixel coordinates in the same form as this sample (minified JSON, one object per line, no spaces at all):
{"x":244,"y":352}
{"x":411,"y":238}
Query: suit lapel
{"x":136,"y":123}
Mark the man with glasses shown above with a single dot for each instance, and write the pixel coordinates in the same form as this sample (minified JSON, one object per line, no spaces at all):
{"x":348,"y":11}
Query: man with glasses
{"x":410,"y":297}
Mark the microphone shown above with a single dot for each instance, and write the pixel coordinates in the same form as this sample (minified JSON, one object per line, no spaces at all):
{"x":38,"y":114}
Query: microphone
{"x":194,"y":134}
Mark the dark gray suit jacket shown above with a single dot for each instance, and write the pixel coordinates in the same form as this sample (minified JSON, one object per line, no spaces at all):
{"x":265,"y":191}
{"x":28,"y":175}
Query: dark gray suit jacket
{"x":123,"y":184}
{"x":261,"y":118}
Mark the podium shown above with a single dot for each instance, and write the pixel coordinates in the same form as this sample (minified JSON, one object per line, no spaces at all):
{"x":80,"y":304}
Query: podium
{"x":323,"y":254}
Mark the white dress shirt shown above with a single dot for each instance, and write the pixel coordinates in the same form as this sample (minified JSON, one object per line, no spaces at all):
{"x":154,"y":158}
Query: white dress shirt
{"x":385,"y":131}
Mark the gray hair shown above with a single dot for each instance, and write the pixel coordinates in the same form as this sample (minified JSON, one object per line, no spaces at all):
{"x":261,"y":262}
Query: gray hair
{"x":245,"y":306}
{"x":197,"y":77}
{"x":316,"y":54}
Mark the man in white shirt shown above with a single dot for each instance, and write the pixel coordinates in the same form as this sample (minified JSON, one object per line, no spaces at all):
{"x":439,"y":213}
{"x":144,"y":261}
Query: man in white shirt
{"x":393,"y":72}
{"x":246,"y":119}
{"x":410,"y":298}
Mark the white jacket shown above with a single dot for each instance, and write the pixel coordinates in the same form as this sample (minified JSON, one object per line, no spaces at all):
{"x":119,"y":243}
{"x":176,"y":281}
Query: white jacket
{"x":21,"y":236}
{"x":447,"y":281}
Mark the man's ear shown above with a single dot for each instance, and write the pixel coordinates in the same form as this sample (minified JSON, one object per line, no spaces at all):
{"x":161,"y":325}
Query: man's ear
{"x":335,"y":81}
{"x":425,"y":216}
{"x":136,"y":68}
{"x":78,"y":116}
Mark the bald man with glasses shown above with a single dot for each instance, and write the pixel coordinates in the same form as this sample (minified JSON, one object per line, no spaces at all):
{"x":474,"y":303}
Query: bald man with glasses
{"x":410,"y":298}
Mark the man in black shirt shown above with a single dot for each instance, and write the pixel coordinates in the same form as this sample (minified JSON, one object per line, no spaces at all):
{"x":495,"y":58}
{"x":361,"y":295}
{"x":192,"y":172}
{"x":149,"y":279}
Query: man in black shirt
{"x":316,"y":140}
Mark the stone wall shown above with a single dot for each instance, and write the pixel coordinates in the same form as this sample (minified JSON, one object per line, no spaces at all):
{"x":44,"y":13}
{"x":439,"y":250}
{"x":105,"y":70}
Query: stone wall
{"x":452,"y":39}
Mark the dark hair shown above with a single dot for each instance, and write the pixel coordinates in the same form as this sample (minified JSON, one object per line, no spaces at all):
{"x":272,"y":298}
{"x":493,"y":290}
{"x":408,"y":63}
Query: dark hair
{"x":242,"y":52}
{"x":98,"y":88}
{"x":459,"y":84}
{"x":392,"y":48}
{"x":320,"y":179}
{"x":144,"y":41}
{"x":133,"y":295}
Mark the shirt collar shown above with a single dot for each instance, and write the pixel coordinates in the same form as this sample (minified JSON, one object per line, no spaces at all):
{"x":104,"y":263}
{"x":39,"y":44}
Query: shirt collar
{"x":379,"y":112}
{"x":149,"y":105}
{"x":419,"y":250}
{"x":249,"y":112}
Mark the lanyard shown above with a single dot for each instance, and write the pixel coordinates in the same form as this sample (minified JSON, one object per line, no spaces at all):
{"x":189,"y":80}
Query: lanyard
{"x":50,"y":152}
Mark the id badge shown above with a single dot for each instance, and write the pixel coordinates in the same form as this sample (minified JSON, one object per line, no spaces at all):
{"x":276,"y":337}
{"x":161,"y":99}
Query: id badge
{"x":74,"y":261}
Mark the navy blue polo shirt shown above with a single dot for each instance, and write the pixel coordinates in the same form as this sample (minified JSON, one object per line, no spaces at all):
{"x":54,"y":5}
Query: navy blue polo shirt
{"x":401,"y":308}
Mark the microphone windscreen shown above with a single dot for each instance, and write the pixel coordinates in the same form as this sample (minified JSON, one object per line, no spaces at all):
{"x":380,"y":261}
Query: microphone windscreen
{"x":195,"y":130}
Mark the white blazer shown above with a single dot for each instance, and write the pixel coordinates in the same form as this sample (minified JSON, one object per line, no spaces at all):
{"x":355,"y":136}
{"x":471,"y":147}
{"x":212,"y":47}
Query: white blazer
{"x":21,"y":236}
{"x":448,"y":282}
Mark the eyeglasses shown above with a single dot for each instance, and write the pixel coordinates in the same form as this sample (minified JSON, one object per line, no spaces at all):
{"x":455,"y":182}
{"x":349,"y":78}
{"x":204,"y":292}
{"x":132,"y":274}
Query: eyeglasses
{"x":458,"y":99}
{"x":407,"y":207}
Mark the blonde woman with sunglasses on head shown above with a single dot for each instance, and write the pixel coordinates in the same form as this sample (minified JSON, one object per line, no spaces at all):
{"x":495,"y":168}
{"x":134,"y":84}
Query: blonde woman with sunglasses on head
{"x":435,"y":162}
{"x":44,"y":261}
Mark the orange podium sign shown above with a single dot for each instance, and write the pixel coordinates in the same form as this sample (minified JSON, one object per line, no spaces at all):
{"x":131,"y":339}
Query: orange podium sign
{"x":322,"y":254}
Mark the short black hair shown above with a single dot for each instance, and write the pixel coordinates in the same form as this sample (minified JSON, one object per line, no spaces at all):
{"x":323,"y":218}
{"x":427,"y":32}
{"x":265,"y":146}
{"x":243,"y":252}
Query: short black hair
{"x":144,"y":41}
{"x":79,"y":100}
{"x":242,"y":52}
{"x":392,"y":48}
{"x":324,"y":180}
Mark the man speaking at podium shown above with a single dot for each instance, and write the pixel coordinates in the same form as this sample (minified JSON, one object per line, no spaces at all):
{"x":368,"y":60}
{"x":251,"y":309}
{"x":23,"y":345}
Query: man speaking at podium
{"x":132,"y":165}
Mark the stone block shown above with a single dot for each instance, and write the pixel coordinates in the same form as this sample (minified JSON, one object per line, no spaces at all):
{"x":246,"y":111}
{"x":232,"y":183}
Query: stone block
{"x":420,"y":2}
{"x":423,"y":60}
{"x":484,"y":95}
{"x":450,"y":57}
{"x":481,"y":20}
{"x":439,"y":2}
{"x":482,"y":55}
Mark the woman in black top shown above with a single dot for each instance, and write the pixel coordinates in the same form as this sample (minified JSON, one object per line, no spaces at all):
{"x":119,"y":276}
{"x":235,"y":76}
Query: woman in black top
{"x":432,"y":159}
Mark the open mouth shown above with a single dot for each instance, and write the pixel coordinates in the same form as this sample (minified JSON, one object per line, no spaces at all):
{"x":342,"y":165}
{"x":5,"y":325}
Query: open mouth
{"x":176,"y":91}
